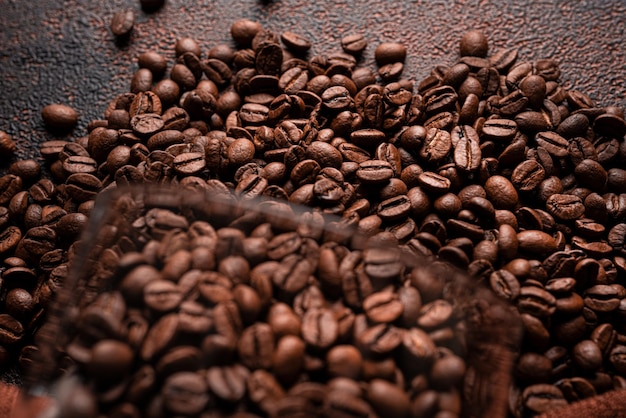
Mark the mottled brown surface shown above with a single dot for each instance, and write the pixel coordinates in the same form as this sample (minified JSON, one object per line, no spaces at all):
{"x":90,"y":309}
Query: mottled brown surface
{"x":63,"y":51}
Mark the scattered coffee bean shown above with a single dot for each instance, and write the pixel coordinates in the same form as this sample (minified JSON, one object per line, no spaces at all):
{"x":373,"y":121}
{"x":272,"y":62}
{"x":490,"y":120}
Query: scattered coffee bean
{"x":59,"y":116}
{"x":122,"y":23}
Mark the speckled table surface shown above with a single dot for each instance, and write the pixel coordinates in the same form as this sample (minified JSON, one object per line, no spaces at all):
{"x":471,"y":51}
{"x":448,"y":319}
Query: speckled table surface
{"x":63,"y":50}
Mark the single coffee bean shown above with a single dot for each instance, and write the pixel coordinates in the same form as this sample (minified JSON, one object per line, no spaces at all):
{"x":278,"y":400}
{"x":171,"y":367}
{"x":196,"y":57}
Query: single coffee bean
{"x":7,"y":144}
{"x":540,"y":398}
{"x":154,"y":62}
{"x":602,"y":298}
{"x":504,"y":284}
{"x":295,"y":42}
{"x":354,"y":44}
{"x":388,"y":398}
{"x":383,"y":307}
{"x":474,"y":43}
{"x":11,"y":330}
{"x":501,"y":130}
{"x":536,"y":301}
{"x":389,"y":52}
{"x":501,"y":192}
{"x":185,"y":393}
{"x":527,"y":175}
{"x":110,"y":360}
{"x":467,"y":153}
{"x":59,"y":116}
{"x":122,"y":22}
{"x":319,"y":328}
{"x":256,"y":346}
{"x":565,"y":206}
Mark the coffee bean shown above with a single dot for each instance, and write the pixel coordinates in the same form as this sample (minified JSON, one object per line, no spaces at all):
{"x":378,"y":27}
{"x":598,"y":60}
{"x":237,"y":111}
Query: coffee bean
{"x":154,"y":62}
{"x":474,"y":43}
{"x":617,"y":358}
{"x":319,"y":328}
{"x":467,"y":153}
{"x":380,"y":339}
{"x":389,"y":52}
{"x":555,"y":144}
{"x":501,"y":192}
{"x":228,"y":382}
{"x":145,"y":102}
{"x":59,"y":116}
{"x":536,"y":301}
{"x":534,"y":87}
{"x":565,"y":206}
{"x":499,"y":129}
{"x":434,"y":314}
{"x":11,"y":330}
{"x":602,"y":298}
{"x":387,"y":398}
{"x":295,"y":42}
{"x":185,"y":393}
{"x":110,"y":360}
{"x":504,"y":284}
{"x":527,"y":175}
{"x":436,"y":145}
{"x":9,"y":239}
{"x":146,"y":124}
{"x":7,"y":144}
{"x":540,"y":398}
{"x":122,"y":22}
{"x":383,"y":307}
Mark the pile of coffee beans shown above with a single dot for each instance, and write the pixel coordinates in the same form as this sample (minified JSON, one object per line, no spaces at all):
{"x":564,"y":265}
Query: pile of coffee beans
{"x":191,"y":305}
{"x":490,"y":164}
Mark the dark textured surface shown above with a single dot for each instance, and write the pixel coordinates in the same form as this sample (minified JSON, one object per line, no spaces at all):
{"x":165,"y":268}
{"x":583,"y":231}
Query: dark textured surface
{"x":63,"y":51}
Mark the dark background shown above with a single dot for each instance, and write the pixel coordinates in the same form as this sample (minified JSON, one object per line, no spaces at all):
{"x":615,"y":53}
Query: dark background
{"x":63,"y":51}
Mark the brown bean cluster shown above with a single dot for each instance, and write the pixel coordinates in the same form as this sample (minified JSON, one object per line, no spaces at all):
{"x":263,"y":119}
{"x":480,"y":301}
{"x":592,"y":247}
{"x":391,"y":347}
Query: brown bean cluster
{"x":202,"y":309}
{"x":489,"y":164}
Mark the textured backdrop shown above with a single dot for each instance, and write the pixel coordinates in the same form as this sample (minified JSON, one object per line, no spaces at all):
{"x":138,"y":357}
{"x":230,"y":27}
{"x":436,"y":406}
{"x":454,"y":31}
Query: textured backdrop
{"x":63,"y":51}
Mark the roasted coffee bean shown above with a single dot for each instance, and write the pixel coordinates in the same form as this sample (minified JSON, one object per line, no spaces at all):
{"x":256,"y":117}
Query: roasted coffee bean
{"x":336,"y":98}
{"x":59,"y":116}
{"x":467,"y":153}
{"x":380,"y":339}
{"x":256,"y":346}
{"x":9,"y":239}
{"x":146,"y":124}
{"x":319,"y":328}
{"x":145,"y":102}
{"x":501,"y":192}
{"x":185,"y":393}
{"x":499,"y":129}
{"x":7,"y":144}
{"x":354,"y":44}
{"x":154,"y":62}
{"x":228,"y":382}
{"x":11,"y":330}
{"x":540,"y":398}
{"x":565,"y":206}
{"x":389,"y":52}
{"x":474,"y":43}
{"x":383,"y":307}
{"x":505,"y":284}
{"x":527,"y":175}
{"x":602,"y":298}
{"x":122,"y":22}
